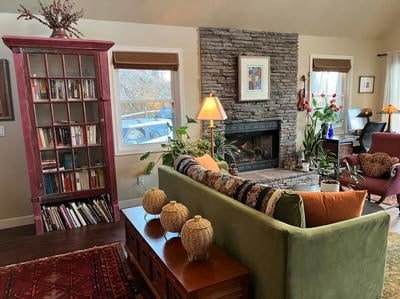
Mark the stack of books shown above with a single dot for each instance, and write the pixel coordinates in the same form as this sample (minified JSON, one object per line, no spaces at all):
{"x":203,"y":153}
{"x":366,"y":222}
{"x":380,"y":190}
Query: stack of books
{"x":77,"y":213}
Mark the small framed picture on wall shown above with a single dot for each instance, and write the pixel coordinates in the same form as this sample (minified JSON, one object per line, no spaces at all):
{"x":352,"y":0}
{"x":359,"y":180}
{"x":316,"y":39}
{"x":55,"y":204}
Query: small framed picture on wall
{"x":254,"y":82}
{"x":366,"y":84}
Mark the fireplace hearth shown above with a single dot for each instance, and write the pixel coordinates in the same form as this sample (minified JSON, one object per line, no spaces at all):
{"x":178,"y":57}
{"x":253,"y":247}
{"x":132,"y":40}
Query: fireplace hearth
{"x":258,"y":144}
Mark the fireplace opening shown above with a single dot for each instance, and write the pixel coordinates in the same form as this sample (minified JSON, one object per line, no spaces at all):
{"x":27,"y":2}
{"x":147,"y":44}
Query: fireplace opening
{"x":257,"y":143}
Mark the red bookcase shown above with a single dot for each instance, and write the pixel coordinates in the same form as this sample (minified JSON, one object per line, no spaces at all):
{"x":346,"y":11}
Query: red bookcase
{"x":64,"y":95}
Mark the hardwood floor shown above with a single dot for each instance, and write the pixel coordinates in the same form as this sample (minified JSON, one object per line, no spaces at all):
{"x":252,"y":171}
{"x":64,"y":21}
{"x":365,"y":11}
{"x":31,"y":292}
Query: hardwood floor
{"x":20,"y":244}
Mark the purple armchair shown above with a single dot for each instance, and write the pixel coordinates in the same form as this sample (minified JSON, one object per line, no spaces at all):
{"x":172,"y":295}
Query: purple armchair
{"x":387,"y":143}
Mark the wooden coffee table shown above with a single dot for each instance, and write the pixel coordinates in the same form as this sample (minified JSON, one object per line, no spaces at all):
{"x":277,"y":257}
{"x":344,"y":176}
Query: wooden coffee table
{"x":369,"y":207}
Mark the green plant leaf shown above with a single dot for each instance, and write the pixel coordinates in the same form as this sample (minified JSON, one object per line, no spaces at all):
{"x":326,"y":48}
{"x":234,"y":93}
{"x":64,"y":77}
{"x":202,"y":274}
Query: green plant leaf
{"x":145,"y":156}
{"x":149,"y":168}
{"x":168,"y":159}
{"x":190,"y":120}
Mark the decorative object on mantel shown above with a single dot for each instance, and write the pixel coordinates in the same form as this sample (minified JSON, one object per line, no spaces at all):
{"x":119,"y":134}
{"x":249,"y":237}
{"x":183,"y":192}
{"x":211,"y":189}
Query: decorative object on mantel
{"x":173,"y":216}
{"x":58,"y":16}
{"x":211,"y":109}
{"x":153,"y":201}
{"x":389,"y":109}
{"x":197,"y":235}
{"x":254,"y":83}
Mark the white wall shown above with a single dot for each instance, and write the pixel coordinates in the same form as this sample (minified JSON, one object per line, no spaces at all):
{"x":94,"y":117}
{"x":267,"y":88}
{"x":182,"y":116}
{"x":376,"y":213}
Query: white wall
{"x":365,"y":62}
{"x":14,"y":185}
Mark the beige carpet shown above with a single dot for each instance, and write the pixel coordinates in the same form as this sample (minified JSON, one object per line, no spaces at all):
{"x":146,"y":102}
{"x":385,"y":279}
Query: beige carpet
{"x":391,"y":288}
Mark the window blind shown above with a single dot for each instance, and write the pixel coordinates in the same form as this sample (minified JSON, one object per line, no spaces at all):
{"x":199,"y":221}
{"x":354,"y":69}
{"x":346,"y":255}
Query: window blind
{"x":146,"y":60}
{"x":331,"y":65}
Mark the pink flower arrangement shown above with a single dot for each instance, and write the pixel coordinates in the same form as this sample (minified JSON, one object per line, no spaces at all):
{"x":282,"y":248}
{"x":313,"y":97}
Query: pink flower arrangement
{"x":327,"y":114}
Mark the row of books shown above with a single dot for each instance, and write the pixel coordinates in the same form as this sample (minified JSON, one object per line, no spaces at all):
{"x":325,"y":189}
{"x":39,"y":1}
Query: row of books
{"x":67,"y":136}
{"x":77,"y":214}
{"x":57,"y":90}
{"x":82,"y":180}
{"x":85,"y":179}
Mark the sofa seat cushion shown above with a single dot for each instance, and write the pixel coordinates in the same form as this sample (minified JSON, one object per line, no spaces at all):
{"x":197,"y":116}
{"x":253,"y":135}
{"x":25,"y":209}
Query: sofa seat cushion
{"x":277,"y":203}
{"x":323,"y":208}
{"x":377,"y":164}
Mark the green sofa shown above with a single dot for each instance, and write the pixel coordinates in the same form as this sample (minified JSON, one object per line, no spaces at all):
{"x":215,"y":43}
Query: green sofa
{"x":344,"y":260}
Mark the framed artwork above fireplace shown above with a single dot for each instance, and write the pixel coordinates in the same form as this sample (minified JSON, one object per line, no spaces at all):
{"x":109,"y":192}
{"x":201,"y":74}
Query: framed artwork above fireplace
{"x":254,"y":83}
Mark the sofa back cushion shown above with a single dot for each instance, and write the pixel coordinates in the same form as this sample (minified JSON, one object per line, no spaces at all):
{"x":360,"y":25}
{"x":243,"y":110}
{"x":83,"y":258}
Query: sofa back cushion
{"x":323,"y":208}
{"x":284,"y":206}
{"x":377,"y":164}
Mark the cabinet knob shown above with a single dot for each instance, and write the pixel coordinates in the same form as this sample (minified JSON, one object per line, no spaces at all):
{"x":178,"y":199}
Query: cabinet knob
{"x":101,"y":120}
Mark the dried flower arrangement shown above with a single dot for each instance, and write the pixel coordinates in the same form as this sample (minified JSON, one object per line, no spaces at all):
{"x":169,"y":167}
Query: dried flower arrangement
{"x":57,"y":15}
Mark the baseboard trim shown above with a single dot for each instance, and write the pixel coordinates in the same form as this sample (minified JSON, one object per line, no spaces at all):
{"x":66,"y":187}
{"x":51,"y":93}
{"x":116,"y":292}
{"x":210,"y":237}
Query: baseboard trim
{"x":14,"y":222}
{"x":26,"y":220}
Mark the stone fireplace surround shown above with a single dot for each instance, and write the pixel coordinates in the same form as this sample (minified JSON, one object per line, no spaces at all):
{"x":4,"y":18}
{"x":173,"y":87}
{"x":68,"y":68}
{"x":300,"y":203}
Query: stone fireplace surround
{"x":219,"y":52}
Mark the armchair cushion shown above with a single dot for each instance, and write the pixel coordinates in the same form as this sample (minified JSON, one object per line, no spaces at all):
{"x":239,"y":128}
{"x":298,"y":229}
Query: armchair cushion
{"x":377,"y":164}
{"x":323,"y":208}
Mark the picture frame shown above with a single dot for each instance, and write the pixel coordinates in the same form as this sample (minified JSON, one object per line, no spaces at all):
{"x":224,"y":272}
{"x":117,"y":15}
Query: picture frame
{"x":6,"y":107}
{"x":366,"y":84}
{"x":254,"y":78}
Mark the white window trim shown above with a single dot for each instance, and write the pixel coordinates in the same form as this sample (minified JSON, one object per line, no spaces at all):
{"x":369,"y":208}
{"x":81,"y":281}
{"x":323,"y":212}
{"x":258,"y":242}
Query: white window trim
{"x":177,"y":94}
{"x":349,"y":88}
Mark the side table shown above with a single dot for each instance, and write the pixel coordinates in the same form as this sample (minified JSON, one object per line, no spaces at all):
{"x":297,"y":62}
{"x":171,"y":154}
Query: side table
{"x":164,"y":266}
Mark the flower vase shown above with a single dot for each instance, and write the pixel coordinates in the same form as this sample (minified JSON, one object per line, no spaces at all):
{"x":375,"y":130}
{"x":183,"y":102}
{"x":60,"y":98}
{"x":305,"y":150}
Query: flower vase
{"x":331,"y":133}
{"x":59,"y":33}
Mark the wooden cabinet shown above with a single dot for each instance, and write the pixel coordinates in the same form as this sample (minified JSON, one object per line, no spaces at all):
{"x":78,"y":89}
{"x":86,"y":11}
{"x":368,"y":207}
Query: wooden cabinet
{"x":164,"y":266}
{"x":64,"y":96}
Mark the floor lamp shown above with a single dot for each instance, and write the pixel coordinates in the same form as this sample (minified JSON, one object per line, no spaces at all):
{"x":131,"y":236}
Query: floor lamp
{"x":389,"y":109}
{"x":211,"y":109}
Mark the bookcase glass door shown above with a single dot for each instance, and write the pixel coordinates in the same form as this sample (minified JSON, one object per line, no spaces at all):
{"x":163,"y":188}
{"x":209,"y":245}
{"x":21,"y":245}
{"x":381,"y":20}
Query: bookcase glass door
{"x":67,"y":119}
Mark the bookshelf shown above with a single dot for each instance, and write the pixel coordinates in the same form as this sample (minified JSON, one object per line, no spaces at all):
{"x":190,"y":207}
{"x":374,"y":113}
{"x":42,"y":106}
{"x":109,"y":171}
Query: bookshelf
{"x":64,"y":96}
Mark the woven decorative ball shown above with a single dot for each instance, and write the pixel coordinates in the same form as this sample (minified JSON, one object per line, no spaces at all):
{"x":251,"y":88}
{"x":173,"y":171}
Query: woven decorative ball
{"x":197,"y":235}
{"x":153,"y":201}
{"x":173,"y":216}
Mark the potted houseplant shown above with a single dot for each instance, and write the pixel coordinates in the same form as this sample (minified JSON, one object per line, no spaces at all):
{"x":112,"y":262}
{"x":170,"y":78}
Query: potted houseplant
{"x":182,"y":144}
{"x":327,"y":115}
{"x":330,"y":176}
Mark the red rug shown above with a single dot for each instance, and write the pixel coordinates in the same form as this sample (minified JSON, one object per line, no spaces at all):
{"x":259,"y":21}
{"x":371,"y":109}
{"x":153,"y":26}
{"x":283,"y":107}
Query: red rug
{"x":99,"y":272}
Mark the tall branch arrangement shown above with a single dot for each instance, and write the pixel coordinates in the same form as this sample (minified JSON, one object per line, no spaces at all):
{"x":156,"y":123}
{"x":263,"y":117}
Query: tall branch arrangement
{"x":58,"y":14}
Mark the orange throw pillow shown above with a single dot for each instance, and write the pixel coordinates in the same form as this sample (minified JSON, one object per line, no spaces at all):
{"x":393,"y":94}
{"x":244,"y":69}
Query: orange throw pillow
{"x":323,"y":208}
{"x":207,"y":162}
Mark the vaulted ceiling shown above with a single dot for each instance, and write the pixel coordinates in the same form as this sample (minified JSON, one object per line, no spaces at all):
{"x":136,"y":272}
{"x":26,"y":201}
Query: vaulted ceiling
{"x":370,"y":19}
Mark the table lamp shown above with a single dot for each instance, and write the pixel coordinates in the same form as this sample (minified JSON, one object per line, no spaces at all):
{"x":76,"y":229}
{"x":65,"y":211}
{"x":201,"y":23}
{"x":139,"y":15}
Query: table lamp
{"x":389,"y":109}
{"x":366,"y":112}
{"x":211,"y":109}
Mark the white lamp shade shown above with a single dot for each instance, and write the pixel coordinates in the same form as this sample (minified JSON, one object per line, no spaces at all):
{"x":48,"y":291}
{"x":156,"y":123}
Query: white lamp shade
{"x":211,"y":109}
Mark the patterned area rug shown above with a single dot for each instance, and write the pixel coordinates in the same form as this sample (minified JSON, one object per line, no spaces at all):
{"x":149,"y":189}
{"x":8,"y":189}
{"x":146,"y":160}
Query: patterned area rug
{"x":391,"y":288}
{"x":99,"y":272}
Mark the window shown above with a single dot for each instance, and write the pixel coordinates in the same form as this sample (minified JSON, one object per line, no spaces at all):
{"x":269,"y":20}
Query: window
{"x":331,"y":75}
{"x":145,"y":100}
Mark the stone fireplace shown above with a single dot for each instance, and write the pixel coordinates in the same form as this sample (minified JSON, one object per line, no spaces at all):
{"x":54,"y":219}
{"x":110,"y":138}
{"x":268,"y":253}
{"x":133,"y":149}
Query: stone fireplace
{"x":219,"y":52}
{"x":258,"y":144}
